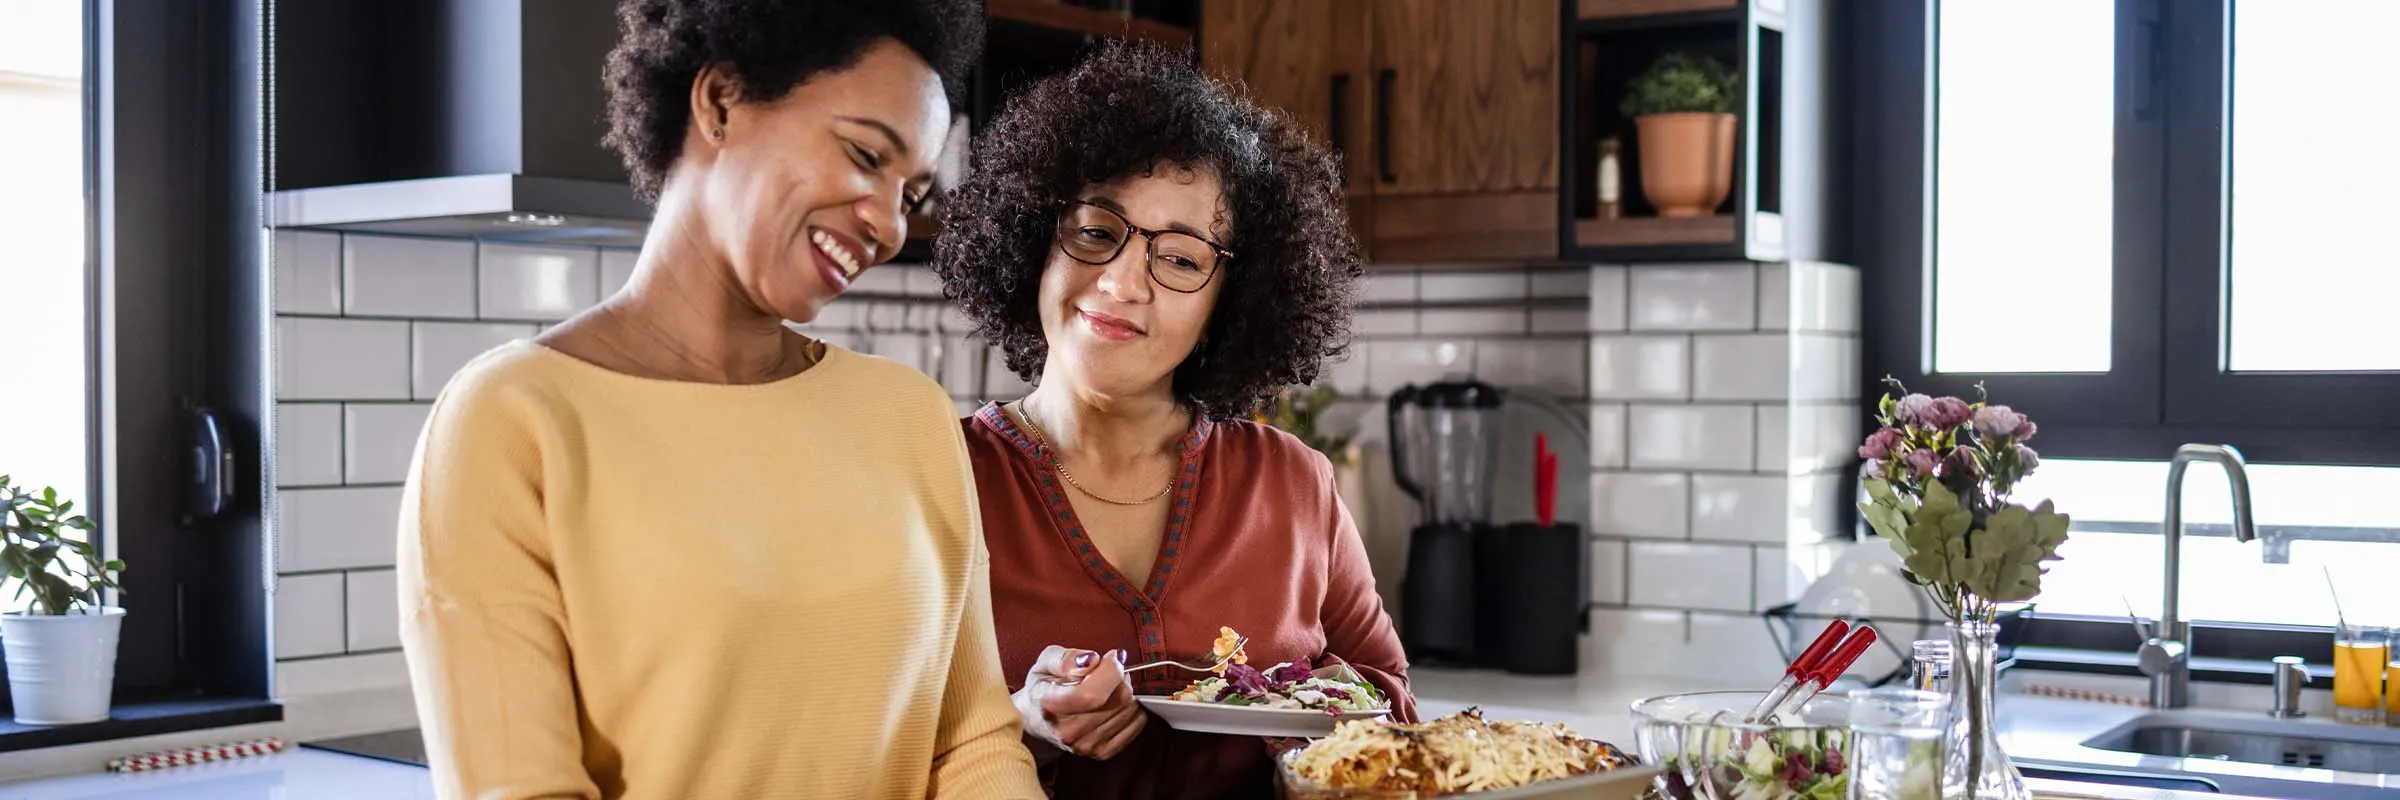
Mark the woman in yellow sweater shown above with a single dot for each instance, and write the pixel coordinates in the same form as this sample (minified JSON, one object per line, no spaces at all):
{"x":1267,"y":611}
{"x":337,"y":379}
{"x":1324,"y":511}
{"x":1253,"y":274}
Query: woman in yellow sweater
{"x":671,"y":549}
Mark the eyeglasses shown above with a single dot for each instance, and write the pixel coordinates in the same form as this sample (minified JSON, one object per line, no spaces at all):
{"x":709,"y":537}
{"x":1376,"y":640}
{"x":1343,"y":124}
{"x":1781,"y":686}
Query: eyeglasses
{"x":1179,"y":261}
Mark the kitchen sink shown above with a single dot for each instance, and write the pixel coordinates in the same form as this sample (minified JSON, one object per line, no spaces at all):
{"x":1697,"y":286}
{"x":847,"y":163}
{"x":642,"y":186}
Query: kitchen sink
{"x":2369,"y":750}
{"x":2232,"y":752}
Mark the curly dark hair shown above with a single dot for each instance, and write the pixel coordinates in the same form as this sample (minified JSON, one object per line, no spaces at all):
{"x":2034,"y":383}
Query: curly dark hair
{"x":1131,"y":108}
{"x":771,"y":46}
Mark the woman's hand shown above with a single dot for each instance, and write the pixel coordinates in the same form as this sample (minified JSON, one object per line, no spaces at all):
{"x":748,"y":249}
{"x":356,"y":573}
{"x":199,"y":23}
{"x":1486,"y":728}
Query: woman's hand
{"x":1080,"y":702}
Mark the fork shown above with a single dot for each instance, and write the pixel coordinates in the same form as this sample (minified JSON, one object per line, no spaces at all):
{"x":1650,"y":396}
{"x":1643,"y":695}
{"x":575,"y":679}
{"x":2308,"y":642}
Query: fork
{"x":1193,"y":666}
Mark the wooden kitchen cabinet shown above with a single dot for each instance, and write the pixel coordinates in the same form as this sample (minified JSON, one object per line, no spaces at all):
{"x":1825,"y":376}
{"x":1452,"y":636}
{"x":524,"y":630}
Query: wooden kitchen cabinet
{"x":1446,"y":113}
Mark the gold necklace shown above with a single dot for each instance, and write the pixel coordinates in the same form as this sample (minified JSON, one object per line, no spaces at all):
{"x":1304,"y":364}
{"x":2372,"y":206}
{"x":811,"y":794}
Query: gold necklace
{"x":1061,"y":465}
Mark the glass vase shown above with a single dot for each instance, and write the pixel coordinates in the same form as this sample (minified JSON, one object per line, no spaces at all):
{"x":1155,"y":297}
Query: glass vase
{"x":1976,"y":768}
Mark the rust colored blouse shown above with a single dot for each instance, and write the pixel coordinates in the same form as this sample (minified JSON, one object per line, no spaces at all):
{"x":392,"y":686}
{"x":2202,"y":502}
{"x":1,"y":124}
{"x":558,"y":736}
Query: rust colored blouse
{"x":1257,"y":541}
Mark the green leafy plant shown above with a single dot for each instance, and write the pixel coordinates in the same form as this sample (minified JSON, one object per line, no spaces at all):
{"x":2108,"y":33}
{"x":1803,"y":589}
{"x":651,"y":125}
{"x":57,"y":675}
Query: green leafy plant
{"x":46,"y":548}
{"x":1682,"y":83}
{"x":1297,"y":411}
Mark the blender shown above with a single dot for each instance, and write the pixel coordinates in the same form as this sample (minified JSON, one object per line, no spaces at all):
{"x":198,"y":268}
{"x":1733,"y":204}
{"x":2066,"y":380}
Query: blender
{"x":1444,"y":440}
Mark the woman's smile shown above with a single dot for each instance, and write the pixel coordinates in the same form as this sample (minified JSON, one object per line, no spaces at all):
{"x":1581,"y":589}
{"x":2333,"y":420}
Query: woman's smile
{"x":1114,"y":329}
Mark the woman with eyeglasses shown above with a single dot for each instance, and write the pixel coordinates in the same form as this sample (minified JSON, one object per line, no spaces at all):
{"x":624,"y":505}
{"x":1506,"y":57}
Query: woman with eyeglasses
{"x":1157,"y":254}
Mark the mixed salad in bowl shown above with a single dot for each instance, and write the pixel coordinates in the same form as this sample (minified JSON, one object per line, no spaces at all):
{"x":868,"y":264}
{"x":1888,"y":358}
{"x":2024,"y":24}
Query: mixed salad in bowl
{"x":1711,"y":754}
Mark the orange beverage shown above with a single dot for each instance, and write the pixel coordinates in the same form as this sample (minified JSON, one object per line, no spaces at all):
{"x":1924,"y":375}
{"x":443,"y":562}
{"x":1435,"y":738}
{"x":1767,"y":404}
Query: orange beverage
{"x":2359,"y":656}
{"x":2391,"y":693}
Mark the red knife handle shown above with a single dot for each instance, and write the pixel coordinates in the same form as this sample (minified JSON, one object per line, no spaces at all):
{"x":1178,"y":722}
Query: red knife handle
{"x":1839,"y":662}
{"x":1807,"y":662}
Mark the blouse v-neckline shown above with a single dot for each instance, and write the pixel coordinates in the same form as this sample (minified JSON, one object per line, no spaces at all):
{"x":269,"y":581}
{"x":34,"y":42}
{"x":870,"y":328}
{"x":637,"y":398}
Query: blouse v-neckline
{"x":1142,"y":601}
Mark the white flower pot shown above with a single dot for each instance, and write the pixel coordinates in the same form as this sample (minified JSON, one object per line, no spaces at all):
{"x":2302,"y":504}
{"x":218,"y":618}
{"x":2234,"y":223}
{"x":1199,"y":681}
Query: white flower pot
{"x":60,"y":668}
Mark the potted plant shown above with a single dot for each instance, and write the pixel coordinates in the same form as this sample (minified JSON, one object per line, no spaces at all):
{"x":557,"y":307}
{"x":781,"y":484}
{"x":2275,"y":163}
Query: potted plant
{"x":62,"y":648}
{"x":1682,"y":112}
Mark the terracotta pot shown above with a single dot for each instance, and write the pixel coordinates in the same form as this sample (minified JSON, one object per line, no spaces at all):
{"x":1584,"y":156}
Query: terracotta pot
{"x":1686,"y":161}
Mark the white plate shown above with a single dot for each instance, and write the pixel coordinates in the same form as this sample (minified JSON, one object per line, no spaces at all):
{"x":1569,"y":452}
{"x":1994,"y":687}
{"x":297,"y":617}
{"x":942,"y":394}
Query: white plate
{"x":1299,"y":723}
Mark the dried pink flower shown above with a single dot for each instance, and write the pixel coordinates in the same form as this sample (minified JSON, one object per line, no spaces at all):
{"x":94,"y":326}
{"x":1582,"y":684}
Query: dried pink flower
{"x":2025,"y":431}
{"x":2027,"y":459}
{"x":1997,"y":421}
{"x":1946,"y":413}
{"x":1875,"y":469}
{"x":1921,"y":463}
{"x":1881,"y":444}
{"x":1911,"y":409}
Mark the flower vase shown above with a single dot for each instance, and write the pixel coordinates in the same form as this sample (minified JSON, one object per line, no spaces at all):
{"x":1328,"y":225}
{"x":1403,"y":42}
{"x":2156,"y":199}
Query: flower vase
{"x":1976,"y":767}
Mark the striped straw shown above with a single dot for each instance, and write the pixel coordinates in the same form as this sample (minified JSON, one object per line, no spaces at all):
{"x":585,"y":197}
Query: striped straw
{"x":196,"y":755}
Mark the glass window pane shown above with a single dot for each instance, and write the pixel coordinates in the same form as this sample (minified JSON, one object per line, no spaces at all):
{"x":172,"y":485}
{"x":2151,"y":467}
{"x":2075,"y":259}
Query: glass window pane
{"x":2113,"y":554}
{"x":2023,"y":186}
{"x":42,"y":305}
{"x":2312,"y":186}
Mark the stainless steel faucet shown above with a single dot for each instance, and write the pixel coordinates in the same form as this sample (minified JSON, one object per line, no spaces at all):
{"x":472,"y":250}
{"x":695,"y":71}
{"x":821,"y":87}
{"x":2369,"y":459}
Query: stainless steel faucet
{"x":2166,"y":657}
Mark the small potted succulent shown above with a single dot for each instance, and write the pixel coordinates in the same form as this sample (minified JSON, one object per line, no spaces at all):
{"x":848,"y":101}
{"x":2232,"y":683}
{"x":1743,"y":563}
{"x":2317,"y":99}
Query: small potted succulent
{"x":1682,"y":111}
{"x":62,"y":647}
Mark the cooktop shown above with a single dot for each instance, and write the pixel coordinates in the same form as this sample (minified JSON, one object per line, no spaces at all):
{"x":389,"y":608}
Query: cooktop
{"x":402,"y":746}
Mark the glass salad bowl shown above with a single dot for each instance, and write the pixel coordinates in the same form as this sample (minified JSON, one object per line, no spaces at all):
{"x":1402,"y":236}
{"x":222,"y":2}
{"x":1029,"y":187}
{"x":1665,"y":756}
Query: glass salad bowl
{"x":1709,"y":753}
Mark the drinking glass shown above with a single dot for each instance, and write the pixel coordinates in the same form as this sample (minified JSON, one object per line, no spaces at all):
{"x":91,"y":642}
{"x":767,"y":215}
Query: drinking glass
{"x":1896,"y":740}
{"x":2359,"y":655}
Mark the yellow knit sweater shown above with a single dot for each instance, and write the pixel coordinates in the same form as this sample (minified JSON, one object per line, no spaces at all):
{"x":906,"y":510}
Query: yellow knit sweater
{"x":620,"y":587}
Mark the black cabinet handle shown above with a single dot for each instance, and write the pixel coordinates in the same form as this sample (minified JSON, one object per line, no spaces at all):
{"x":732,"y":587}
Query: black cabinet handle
{"x":1384,"y":80}
{"x":1338,"y":128}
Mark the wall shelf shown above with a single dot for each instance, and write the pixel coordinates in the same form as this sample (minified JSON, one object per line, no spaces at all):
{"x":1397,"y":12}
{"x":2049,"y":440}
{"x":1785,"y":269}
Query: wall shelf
{"x":1781,"y":204}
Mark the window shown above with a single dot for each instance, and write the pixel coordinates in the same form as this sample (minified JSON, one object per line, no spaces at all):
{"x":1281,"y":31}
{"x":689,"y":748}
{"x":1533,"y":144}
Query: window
{"x":2135,"y":232}
{"x":131,"y":294}
{"x":43,"y":303}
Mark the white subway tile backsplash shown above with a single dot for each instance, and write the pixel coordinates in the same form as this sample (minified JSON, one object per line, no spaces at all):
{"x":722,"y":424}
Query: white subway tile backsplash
{"x":308,"y":272}
{"x":1471,"y":321}
{"x":1560,"y":320}
{"x":1821,"y":506}
{"x":1745,"y":366}
{"x":308,"y":615}
{"x":308,"y":444}
{"x":1608,"y":435}
{"x":1731,"y":650}
{"x":341,"y":674}
{"x":342,"y":528}
{"x":1645,"y":504}
{"x":537,"y":282}
{"x":1690,"y":437}
{"x":1609,"y":298}
{"x":1740,"y":508}
{"x":1608,"y":571}
{"x":1552,"y":366}
{"x":888,"y":280}
{"x":1827,"y":439}
{"x":1632,"y":642}
{"x":1687,"y":575}
{"x":1825,"y":367}
{"x":905,"y":348}
{"x":1640,"y":367}
{"x":956,"y":362}
{"x":1385,"y":322}
{"x":341,"y":359}
{"x":920,"y":281}
{"x":999,"y":383}
{"x":1552,"y":283}
{"x":1695,"y":297}
{"x":1452,"y":287}
{"x":382,"y":438}
{"x":441,"y":348}
{"x":391,"y":276}
{"x":374,"y":608}
{"x":1774,"y":430}
{"x":1388,"y":288}
{"x":1808,"y":296}
{"x":1393,"y":363}
{"x":1348,"y":375}
{"x":1775,"y":582}
{"x":616,"y":270}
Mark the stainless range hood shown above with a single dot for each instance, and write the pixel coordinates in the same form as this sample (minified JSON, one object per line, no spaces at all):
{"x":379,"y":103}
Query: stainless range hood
{"x":461,"y":118}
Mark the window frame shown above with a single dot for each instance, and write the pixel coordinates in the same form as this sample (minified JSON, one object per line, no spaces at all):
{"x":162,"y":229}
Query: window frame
{"x":2164,"y":387}
{"x":176,"y":305}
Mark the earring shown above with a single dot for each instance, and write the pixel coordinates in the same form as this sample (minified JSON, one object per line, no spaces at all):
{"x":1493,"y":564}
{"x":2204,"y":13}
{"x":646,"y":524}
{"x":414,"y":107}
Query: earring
{"x":716,"y":134}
